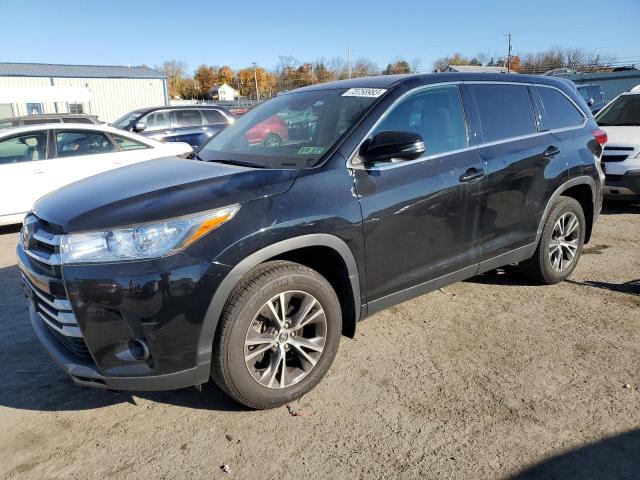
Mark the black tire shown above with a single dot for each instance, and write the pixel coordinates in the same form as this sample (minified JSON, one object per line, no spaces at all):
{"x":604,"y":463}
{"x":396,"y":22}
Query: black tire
{"x":272,"y":141}
{"x":228,"y":368}
{"x":539,"y":267}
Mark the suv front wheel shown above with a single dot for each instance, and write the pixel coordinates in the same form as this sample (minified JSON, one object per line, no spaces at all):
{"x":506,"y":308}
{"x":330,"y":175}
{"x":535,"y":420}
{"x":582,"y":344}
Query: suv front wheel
{"x":278,"y":335}
{"x":560,"y":244}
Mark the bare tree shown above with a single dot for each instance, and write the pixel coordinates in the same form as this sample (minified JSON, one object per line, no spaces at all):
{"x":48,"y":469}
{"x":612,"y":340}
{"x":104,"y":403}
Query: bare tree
{"x":416,"y":64}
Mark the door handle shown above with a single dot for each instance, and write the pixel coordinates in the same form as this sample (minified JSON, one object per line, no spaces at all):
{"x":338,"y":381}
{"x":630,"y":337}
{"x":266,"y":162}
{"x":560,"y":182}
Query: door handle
{"x":551,"y":152}
{"x":471,"y":174}
{"x":38,"y":170}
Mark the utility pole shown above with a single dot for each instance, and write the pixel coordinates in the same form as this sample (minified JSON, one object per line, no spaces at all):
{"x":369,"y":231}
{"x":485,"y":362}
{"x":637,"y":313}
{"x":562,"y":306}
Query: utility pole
{"x":509,"y":54}
{"x":255,"y":77}
{"x":349,"y":61}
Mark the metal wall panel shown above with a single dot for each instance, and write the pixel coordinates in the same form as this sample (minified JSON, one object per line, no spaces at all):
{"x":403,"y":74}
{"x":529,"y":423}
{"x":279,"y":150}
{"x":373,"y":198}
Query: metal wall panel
{"x":112,"y":97}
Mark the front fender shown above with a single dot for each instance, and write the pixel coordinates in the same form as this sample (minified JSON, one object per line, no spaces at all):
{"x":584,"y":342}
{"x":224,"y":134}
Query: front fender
{"x":227,"y":285}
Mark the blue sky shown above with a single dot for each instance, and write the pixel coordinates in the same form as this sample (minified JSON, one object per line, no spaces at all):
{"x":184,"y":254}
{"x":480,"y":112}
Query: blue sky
{"x":237,"y":33}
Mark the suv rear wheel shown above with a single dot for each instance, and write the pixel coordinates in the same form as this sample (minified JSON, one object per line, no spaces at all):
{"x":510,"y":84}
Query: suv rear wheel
{"x":560,"y":245}
{"x":278,"y":335}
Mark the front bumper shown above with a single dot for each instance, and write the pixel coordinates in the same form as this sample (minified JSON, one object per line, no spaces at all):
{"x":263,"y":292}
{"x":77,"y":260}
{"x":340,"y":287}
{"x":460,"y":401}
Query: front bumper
{"x":86,"y":373}
{"x":623,"y":187}
{"x":86,"y":316}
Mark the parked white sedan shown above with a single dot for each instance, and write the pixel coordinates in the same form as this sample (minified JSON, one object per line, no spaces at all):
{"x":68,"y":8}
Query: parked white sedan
{"x":38,"y":159}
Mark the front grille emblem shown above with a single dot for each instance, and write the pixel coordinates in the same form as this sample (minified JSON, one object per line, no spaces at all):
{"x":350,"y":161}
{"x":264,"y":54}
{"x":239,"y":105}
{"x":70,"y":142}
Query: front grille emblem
{"x":28,"y":229}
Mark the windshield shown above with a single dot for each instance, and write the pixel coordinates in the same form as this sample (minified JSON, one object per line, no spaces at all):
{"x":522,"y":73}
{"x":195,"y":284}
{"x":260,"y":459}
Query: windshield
{"x":289,"y":131}
{"x":124,"y":122}
{"x":623,"y":111}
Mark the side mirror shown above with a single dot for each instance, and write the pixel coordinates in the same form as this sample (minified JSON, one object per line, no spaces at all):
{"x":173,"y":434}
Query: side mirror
{"x":139,"y":127}
{"x":392,"y":145}
{"x":591,"y":102}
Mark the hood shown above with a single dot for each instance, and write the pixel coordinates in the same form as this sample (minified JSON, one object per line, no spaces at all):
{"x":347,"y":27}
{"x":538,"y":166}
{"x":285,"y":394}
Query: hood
{"x":623,"y":135}
{"x":157,"y":190}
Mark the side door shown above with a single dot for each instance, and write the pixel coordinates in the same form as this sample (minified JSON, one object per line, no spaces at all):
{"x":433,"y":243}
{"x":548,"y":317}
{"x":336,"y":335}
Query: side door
{"x":421,"y":216}
{"x":189,"y":127}
{"x":522,"y":162}
{"x":81,"y":154}
{"x":23,"y":168}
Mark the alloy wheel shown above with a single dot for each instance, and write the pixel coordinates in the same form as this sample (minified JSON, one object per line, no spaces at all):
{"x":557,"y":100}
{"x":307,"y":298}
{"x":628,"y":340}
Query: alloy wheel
{"x":285,"y":339}
{"x":564,"y":242}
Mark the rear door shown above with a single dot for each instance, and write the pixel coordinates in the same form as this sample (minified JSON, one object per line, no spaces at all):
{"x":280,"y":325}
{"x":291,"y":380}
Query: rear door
{"x":189,"y":127}
{"x":565,"y":120}
{"x":23,"y":167}
{"x":421,"y":216}
{"x":521,"y":163}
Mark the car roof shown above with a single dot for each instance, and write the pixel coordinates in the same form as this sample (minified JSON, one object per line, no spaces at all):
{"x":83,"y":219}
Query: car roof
{"x":178,"y":107}
{"x":10,"y":131}
{"x":392,"y":81}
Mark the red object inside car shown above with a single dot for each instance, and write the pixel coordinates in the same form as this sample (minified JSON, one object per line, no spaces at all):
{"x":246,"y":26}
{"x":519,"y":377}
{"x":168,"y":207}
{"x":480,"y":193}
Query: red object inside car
{"x":273,"y":126}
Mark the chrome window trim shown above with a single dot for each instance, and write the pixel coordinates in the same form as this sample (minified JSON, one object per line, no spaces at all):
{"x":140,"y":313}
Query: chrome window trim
{"x":351,"y":165}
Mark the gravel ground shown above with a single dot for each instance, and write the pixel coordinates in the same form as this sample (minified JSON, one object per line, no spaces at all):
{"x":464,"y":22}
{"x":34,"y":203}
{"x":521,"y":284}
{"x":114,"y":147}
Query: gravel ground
{"x":488,"y":378}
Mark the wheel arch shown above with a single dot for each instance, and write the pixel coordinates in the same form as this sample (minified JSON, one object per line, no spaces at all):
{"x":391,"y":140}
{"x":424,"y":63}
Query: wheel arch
{"x":583,"y":190}
{"x":301,"y":249}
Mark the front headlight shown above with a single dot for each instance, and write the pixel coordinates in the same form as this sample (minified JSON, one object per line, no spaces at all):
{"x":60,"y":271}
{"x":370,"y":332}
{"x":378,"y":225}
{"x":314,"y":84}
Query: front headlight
{"x":139,"y":242}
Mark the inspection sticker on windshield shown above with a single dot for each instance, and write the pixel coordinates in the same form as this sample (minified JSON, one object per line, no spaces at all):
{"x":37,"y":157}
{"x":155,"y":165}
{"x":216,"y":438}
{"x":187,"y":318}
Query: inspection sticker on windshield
{"x":311,"y":151}
{"x":364,"y":92}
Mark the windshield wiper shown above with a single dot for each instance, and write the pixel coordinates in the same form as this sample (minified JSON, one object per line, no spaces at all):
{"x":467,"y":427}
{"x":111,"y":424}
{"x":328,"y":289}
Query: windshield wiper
{"x":237,"y":162}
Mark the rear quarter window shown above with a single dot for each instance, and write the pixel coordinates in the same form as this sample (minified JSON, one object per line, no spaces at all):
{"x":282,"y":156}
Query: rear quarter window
{"x":505,"y":111}
{"x":214,"y":116}
{"x":561,"y":113}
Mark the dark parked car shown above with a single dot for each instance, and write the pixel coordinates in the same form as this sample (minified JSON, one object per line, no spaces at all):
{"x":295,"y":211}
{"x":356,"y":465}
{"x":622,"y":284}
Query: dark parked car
{"x":48,"y":118}
{"x":246,"y":266}
{"x":193,"y":124}
{"x":594,"y":96}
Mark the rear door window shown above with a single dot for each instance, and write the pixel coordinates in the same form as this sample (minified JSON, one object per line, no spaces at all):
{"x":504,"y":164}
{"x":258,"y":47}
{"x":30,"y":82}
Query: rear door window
{"x":73,"y":143}
{"x":505,"y":111}
{"x":23,"y":148}
{"x":187,"y":118}
{"x":561,"y":113}
{"x":436,"y":114}
{"x":214,"y":116}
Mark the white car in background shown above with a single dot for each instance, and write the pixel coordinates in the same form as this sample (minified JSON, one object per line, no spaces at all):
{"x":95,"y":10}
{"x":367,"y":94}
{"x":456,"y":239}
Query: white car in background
{"x":37,"y":159}
{"x":621,"y":156}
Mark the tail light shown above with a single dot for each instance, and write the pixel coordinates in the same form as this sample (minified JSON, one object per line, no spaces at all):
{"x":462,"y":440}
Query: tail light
{"x":600,"y":136}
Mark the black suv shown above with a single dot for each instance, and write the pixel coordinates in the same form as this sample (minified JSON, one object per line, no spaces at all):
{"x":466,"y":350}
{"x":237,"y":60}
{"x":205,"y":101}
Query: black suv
{"x":247,"y":265}
{"x":192,"y":124}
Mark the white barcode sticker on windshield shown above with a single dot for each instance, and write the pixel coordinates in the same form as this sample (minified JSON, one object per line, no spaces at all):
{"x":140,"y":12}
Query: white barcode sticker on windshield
{"x":364,"y":92}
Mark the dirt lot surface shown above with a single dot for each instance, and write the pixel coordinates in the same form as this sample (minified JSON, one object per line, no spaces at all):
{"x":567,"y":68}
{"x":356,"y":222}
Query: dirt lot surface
{"x":489,"y":378}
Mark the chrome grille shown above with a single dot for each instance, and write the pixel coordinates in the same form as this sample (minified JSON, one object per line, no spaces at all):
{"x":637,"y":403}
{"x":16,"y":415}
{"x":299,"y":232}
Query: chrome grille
{"x":52,"y":308}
